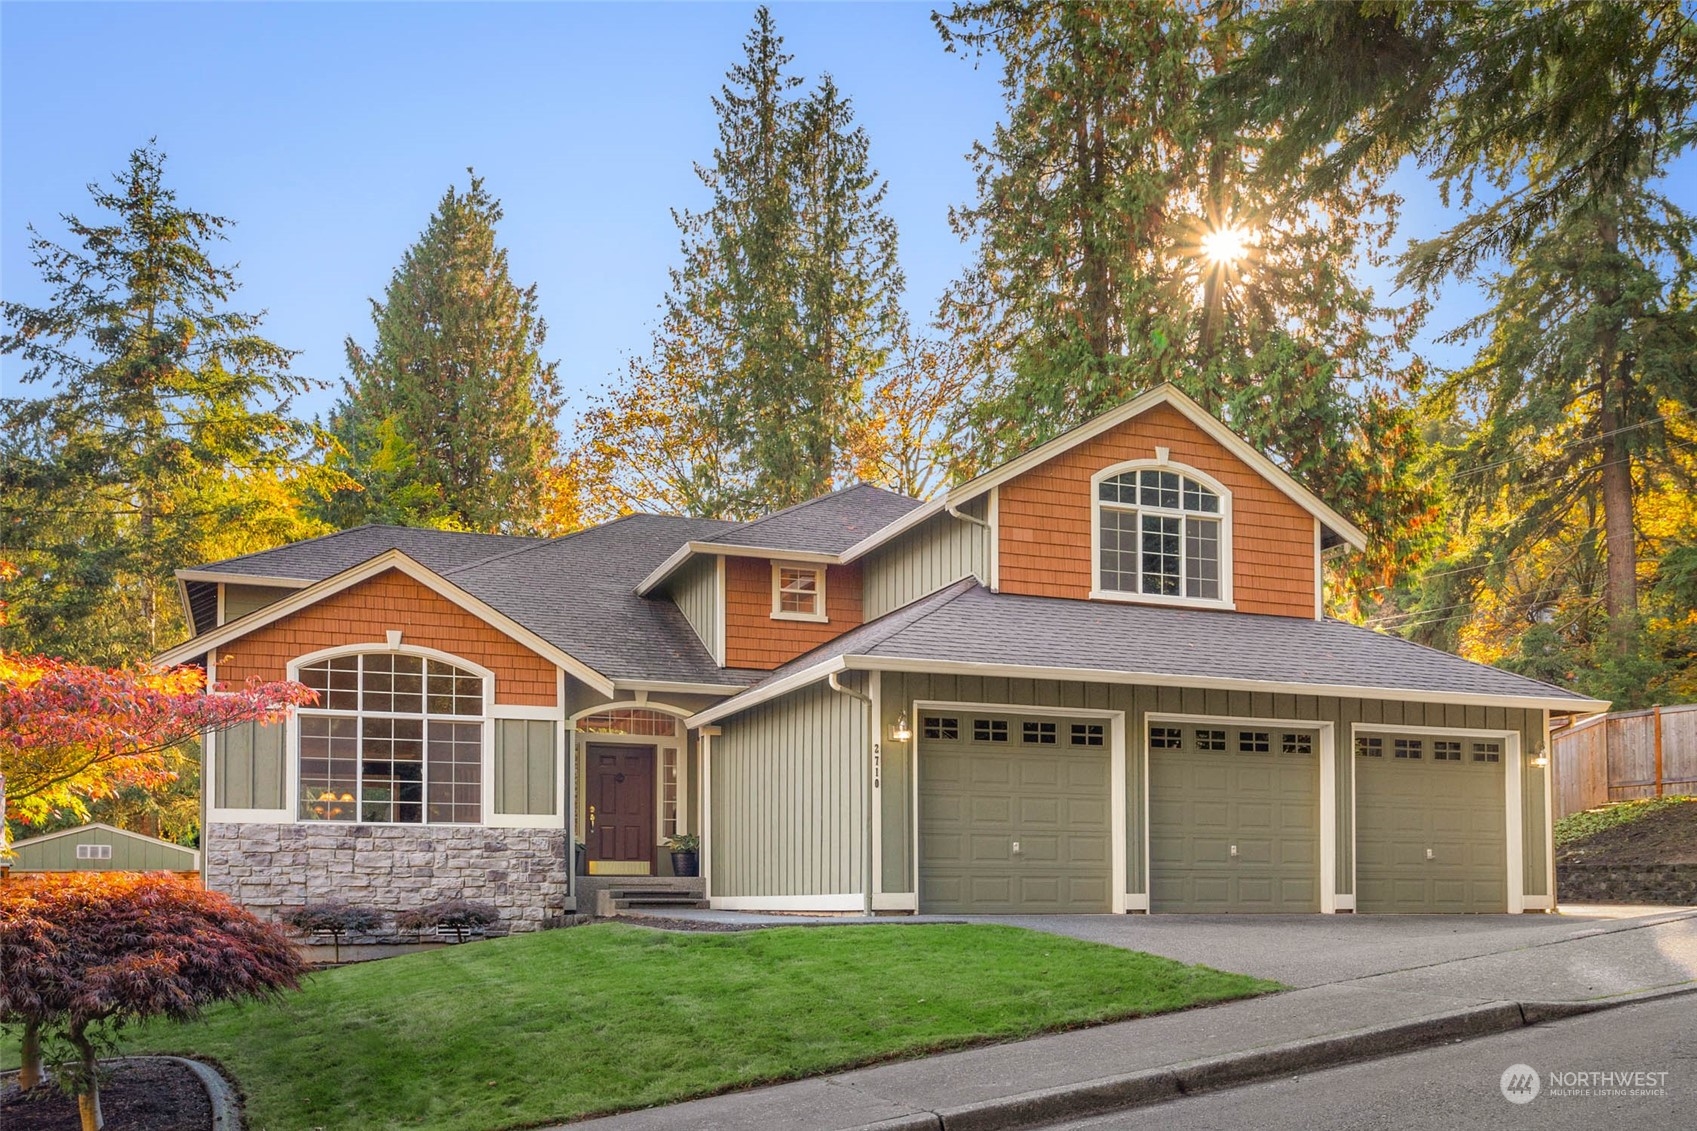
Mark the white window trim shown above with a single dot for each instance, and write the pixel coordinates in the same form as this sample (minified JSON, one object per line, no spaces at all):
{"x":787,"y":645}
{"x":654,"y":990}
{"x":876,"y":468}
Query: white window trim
{"x":1098,"y":593}
{"x":487,"y":817}
{"x":818,"y":571}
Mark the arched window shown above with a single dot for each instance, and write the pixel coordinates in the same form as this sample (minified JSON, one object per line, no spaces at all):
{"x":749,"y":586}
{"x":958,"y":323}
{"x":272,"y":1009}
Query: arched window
{"x":393,"y":739}
{"x":1161,"y":533}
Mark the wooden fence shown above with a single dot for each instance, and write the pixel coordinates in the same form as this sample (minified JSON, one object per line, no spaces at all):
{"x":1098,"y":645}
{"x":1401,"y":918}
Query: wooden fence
{"x":1627,"y":755}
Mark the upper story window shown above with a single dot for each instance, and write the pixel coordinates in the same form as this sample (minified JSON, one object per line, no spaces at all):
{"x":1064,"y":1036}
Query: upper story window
{"x":1162,"y":533}
{"x":798,"y":591}
{"x":394,"y":739}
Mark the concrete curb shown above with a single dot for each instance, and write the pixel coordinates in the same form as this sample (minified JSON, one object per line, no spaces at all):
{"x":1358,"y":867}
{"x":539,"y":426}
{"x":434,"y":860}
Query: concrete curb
{"x":1138,"y":1089}
{"x":226,"y":1105}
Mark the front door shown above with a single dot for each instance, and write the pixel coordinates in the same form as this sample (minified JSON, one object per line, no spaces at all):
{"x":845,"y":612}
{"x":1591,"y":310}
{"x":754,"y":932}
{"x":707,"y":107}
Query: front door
{"x":619,"y":818}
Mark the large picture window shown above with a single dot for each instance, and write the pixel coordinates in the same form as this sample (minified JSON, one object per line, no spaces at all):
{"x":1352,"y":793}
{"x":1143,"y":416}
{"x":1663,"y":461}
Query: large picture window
{"x":1162,"y":534}
{"x":394,"y":739}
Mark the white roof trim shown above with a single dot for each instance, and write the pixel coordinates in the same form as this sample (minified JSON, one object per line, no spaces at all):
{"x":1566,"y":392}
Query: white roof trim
{"x":195,"y":852}
{"x":763,"y":692}
{"x":243,"y":578}
{"x":680,"y":687}
{"x":1165,"y":394}
{"x":683,"y":553}
{"x":389,"y":559}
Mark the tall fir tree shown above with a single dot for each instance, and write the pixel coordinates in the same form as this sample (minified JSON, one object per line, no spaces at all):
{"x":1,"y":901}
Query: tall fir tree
{"x":449,"y":419}
{"x":166,"y":440}
{"x":788,"y":281}
{"x":1126,"y":235}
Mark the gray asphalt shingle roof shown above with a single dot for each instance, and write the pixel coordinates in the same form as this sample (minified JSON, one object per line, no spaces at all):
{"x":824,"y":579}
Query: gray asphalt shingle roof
{"x":829,"y":524}
{"x":579,"y":593}
{"x":967,"y":623}
{"x":318,"y":558}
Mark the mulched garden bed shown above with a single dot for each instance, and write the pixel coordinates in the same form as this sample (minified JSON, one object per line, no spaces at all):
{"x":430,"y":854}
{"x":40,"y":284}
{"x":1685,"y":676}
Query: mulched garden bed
{"x":1668,"y":836}
{"x":139,"y":1095}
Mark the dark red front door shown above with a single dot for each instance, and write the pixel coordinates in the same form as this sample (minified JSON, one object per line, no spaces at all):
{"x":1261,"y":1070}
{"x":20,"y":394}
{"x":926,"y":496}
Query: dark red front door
{"x":620,"y":796}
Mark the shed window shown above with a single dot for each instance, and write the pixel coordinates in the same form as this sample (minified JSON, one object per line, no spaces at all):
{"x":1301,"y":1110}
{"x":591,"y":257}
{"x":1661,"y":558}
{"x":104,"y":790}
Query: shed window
{"x":394,"y":739}
{"x":1165,"y":738}
{"x":1161,"y":535}
{"x":94,"y":852}
{"x":1087,"y":734}
{"x":1042,"y":734}
{"x":989,"y":730}
{"x":798,"y":591}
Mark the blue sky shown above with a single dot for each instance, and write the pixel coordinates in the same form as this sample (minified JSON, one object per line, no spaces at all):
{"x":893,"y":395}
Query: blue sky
{"x":329,"y":132}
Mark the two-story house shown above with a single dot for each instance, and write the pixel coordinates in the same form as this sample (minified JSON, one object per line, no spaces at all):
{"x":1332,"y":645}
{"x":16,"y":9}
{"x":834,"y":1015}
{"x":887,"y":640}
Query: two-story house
{"x":1098,"y":678}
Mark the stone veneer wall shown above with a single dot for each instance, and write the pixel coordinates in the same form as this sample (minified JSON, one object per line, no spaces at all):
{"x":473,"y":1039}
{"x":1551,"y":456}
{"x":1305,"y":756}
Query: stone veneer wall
{"x":522,"y":872}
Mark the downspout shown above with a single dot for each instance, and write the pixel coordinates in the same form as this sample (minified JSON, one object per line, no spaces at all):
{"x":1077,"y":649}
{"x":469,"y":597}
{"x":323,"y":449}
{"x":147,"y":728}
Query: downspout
{"x":954,"y":511}
{"x":865,"y":787}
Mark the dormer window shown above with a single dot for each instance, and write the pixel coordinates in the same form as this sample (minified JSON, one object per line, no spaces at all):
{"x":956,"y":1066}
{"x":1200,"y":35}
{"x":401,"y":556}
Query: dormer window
{"x":798,"y":591}
{"x":1162,"y":533}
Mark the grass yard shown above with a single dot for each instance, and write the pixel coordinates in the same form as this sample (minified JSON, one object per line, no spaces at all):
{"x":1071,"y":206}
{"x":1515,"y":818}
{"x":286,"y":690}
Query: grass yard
{"x":546,"y":1027}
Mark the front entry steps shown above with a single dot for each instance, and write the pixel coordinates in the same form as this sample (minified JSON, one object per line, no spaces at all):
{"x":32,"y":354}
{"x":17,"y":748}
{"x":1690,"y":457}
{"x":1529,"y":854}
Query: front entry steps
{"x":614,"y":895}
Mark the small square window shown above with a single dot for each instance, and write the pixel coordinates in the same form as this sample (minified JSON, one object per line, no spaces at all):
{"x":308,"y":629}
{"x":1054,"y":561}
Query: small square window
{"x":1410,"y":748}
{"x":1487,"y":752}
{"x":1443,"y":751}
{"x":1253,"y":742}
{"x":1369,"y":746}
{"x":1165,"y":738}
{"x":945,"y":728}
{"x":989,"y":730}
{"x":798,"y":592}
{"x":1043,"y":734}
{"x":1297,"y":744}
{"x":1210,"y":740}
{"x":94,"y":852}
{"x":1087,"y":734}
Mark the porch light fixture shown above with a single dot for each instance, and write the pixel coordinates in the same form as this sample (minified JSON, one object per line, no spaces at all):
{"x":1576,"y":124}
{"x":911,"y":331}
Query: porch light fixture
{"x":1541,"y":760}
{"x":900,"y":731}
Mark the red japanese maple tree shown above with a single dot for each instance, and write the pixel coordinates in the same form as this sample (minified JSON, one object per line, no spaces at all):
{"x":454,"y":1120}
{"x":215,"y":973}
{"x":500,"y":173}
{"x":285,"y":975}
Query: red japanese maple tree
{"x":70,"y":733}
{"x":86,"y":954}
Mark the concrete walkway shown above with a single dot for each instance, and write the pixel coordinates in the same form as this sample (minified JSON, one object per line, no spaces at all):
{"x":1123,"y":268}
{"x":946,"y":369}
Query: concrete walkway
{"x":1365,"y":986}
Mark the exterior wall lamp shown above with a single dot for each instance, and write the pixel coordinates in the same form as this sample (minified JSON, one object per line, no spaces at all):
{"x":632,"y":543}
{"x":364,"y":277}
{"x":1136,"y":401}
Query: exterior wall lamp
{"x":900,"y":731}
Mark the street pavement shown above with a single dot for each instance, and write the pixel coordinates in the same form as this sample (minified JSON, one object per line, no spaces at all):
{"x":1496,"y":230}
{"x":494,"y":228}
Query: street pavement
{"x":1461,"y":1085}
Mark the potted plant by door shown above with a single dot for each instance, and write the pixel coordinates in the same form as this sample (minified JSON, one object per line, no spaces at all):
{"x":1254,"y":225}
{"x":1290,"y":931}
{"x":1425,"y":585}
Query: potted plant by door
{"x":686,"y":854}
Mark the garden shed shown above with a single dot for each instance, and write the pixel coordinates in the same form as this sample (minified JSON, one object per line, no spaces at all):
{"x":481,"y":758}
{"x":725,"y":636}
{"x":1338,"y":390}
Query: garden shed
{"x":96,"y":847}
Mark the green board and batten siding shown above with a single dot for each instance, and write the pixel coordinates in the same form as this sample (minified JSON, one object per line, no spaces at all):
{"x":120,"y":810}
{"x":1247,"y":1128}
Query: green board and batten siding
{"x":249,"y":768}
{"x":695,"y":589}
{"x":788,"y":783}
{"x":525,"y":767}
{"x":131,"y":852}
{"x":939,"y":551}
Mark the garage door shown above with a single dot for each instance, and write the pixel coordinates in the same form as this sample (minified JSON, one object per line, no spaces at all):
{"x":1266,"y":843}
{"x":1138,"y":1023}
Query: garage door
{"x":1234,"y":819}
{"x":1014,"y":814}
{"x":1431,"y":833}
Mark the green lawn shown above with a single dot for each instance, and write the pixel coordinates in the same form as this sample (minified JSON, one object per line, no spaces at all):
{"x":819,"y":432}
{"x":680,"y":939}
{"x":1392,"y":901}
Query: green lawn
{"x":545,"y":1027}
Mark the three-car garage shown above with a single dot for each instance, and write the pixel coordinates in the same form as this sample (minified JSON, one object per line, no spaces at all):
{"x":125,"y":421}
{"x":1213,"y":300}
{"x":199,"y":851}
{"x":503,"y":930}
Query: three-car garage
{"x":1015,"y":814}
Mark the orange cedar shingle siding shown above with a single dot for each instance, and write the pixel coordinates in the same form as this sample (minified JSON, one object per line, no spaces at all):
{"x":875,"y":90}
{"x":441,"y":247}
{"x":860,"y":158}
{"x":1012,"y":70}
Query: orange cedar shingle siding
{"x":1045,"y":518}
{"x":363,"y":613}
{"x":754,"y":640}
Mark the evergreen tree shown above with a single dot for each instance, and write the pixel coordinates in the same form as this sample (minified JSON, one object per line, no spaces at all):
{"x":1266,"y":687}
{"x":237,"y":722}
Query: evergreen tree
{"x":166,"y":440}
{"x":1127,"y":235}
{"x":788,"y":280}
{"x":449,"y":419}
